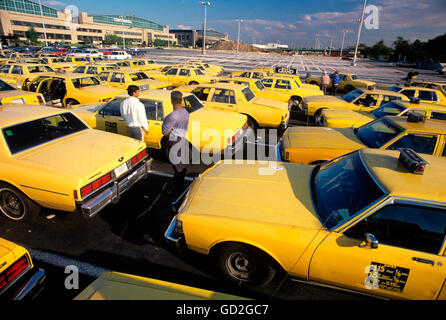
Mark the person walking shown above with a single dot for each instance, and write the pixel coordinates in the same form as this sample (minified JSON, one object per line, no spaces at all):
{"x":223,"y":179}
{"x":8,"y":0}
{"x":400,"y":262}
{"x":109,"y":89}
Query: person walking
{"x":175,"y":127}
{"x":325,"y":82}
{"x":134,"y":114}
{"x":335,"y":85}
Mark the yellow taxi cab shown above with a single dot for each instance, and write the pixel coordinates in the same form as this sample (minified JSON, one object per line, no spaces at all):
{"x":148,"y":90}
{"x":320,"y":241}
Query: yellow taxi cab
{"x":19,"y":71}
{"x":78,"y":61}
{"x":9,"y":94}
{"x":349,"y":82}
{"x":58,"y":63}
{"x":19,"y":278}
{"x":313,"y":145}
{"x":261,"y":112}
{"x":18,"y":55}
{"x":231,"y":128}
{"x":94,"y":68}
{"x":182,"y":76}
{"x":50,"y":158}
{"x":210,"y":68}
{"x":355,"y":119}
{"x":424,"y":94}
{"x":6,"y":61}
{"x":69,"y":89}
{"x":359,"y":99}
{"x":363,"y":223}
{"x":121,"y":286}
{"x":123,"y":78}
{"x":436,"y":85}
{"x":91,"y":59}
{"x":256,"y":73}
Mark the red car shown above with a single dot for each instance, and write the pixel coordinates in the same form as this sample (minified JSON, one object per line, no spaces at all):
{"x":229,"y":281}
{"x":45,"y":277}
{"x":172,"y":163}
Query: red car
{"x":106,"y":52}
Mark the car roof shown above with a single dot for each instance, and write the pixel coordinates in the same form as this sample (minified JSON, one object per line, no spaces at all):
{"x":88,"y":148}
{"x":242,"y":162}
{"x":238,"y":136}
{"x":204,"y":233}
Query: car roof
{"x":223,"y":85}
{"x":13,"y":113}
{"x":419,"y":88}
{"x":68,"y":75}
{"x":384,"y":92}
{"x":159,"y":94}
{"x":427,"y":126}
{"x":396,"y":180}
{"x":421,"y":105}
{"x":239,"y":79}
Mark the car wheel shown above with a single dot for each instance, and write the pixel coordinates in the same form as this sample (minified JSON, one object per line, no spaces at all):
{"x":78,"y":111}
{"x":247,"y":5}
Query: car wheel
{"x":318,"y":117}
{"x":314,"y":82}
{"x":193,"y":83}
{"x":294,"y":103}
{"x":245,"y":266}
{"x":349,"y":89}
{"x":15,"y":205}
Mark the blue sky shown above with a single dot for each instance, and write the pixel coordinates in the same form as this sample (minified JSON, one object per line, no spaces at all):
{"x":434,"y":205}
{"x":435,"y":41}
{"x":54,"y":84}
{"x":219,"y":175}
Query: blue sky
{"x":290,"y":22}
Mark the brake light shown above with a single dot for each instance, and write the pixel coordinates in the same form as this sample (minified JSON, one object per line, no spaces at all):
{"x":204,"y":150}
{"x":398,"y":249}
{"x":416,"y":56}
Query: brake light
{"x":14,"y":271}
{"x":245,"y":126}
{"x":235,"y":136}
{"x":139,"y":157}
{"x":89,"y":188}
{"x":106,"y":100}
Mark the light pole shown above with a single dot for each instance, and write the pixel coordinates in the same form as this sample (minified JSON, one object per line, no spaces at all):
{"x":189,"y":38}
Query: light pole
{"x":43,"y":24}
{"x":359,"y":33}
{"x":238,"y":36}
{"x":331,"y":46}
{"x":205,"y":4}
{"x":343,"y":40}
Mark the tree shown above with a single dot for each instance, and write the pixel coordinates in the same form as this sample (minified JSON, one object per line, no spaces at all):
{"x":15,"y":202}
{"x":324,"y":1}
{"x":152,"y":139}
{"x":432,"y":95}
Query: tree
{"x":87,"y":40}
{"x":32,"y":35}
{"x":112,"y":39}
{"x":160,"y":43}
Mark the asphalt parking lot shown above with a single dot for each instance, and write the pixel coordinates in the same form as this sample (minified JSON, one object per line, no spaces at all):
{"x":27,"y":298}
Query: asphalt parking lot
{"x":129,"y":237}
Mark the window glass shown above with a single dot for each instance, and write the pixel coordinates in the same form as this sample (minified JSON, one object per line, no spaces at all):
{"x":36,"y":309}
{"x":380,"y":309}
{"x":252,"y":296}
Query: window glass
{"x":17,"y":70}
{"x":368,"y":100}
{"x":246,"y":75}
{"x":419,"y":143}
{"x":202,"y":93}
{"x":349,"y":97}
{"x":80,"y":69}
{"x":405,"y":226}
{"x":267,"y":82}
{"x":85,"y":82}
{"x":427,"y":95}
{"x":342,"y":188}
{"x":113,"y":108}
{"x":282,"y":84}
{"x":92,"y":70}
{"x":388,"y":109}
{"x":150,"y":107}
{"x":35,"y":84}
{"x":260,"y":85}
{"x":377,"y":133}
{"x":5,"y":68}
{"x":172,"y":72}
{"x":104,"y":76}
{"x":409,"y":93}
{"x":387,"y":99}
{"x":5,"y":87}
{"x":184,"y":72}
{"x":36,"y":132}
{"x":257,"y":75}
{"x":223,"y":96}
{"x":198,"y":72}
{"x":117,"y":77}
{"x":438,"y":115}
{"x":343,"y":77}
{"x":35,"y":69}
{"x":192,"y":104}
{"x":138,"y":76}
{"x":249,"y":95}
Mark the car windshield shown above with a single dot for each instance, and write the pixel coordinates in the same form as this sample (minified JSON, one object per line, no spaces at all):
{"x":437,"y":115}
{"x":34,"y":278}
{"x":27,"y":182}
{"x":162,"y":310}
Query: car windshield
{"x":40,"y":68}
{"x":389,"y":109}
{"x":138,"y":76}
{"x":349,"y":97}
{"x":30,"y":134}
{"x":249,"y":95}
{"x":260,"y":85}
{"x":192,"y":104}
{"x":342,"y":188}
{"x":85,"y":82}
{"x":5,"y":87}
{"x":355,"y":77}
{"x":395,"y":89}
{"x":199,"y":72}
{"x":377,"y":133}
{"x":297,"y":83}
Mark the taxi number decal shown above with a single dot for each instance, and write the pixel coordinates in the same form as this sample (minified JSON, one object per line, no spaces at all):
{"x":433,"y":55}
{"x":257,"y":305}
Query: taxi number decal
{"x":386,"y":277}
{"x":111,"y":127}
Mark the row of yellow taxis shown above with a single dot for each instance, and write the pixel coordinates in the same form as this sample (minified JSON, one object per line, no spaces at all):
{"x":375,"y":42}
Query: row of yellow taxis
{"x":366,"y":222}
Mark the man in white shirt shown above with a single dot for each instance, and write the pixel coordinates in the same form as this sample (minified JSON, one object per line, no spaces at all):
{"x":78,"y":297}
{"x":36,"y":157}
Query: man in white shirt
{"x":134,"y":114}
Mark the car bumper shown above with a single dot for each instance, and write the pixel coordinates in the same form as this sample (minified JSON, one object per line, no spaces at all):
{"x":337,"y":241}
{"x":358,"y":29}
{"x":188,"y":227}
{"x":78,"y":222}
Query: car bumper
{"x":173,"y":237}
{"x":27,"y":287}
{"x":113,"y":193}
{"x":238,"y":144}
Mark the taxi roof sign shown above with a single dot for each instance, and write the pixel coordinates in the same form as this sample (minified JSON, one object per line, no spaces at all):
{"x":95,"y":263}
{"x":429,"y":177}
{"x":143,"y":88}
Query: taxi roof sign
{"x":285,"y":70}
{"x":412,"y":161}
{"x":415,"y":117}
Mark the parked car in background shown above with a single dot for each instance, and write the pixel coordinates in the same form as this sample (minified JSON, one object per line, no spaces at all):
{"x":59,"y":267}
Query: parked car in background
{"x":118,"y":55}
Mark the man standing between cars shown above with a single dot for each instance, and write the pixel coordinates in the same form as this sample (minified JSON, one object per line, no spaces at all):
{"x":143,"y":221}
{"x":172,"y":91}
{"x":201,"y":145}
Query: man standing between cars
{"x":336,"y":81}
{"x":325,"y":82}
{"x":175,"y":127}
{"x":134,"y":114}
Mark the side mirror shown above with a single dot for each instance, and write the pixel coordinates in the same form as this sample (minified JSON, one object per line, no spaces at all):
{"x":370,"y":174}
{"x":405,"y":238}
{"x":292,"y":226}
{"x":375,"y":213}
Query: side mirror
{"x":370,"y":241}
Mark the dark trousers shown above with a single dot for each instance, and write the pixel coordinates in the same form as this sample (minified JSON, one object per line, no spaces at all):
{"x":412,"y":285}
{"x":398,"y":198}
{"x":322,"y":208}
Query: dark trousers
{"x":178,"y":164}
{"x":334,"y":90}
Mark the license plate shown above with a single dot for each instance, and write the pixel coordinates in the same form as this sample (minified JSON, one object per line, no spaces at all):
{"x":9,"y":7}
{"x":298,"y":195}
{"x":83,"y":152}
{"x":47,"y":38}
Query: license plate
{"x":119,"y":171}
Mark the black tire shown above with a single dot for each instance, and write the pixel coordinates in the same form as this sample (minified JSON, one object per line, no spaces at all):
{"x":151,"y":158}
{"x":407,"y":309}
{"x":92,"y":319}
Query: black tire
{"x":245,"y":266}
{"x":314,"y":82}
{"x":15,"y":205}
{"x":193,"y":83}
{"x":349,"y":88}
{"x":317,"y":116}
{"x":295,"y":103}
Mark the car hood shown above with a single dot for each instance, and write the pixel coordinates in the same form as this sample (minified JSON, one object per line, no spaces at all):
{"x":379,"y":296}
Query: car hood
{"x":270,"y":103}
{"x":326,"y":100}
{"x":277,"y":194}
{"x":103,"y":91}
{"x":353,"y":118}
{"x":226,"y":120}
{"x":321,"y":138}
{"x":81,"y":155}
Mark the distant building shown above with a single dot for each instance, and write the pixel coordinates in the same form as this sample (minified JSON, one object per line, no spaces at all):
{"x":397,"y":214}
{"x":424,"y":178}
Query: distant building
{"x":17,"y":16}
{"x":194,"y":38}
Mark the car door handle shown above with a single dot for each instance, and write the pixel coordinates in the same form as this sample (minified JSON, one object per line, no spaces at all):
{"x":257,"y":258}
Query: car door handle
{"x":424,"y":261}
{"x":121,"y":119}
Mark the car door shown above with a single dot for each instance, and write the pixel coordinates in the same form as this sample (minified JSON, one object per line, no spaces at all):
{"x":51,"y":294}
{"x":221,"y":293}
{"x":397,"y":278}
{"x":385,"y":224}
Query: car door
{"x":407,"y":260}
{"x":117,"y":79}
{"x":183,"y":78}
{"x":367,"y":102}
{"x":109,"y":118}
{"x":223,"y":99}
{"x":155,"y":116}
{"x":171,"y":75}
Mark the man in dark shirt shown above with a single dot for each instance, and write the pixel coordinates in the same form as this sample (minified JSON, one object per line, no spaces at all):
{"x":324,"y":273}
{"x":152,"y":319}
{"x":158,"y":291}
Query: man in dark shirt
{"x":175,"y":127}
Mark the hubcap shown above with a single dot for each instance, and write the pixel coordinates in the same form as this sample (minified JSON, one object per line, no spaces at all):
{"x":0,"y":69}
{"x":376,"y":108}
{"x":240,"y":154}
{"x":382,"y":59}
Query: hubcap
{"x":239,"y":266}
{"x":11,"y":204}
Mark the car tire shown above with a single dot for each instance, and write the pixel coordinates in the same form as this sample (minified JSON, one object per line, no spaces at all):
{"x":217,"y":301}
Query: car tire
{"x":294,"y":103}
{"x":15,"y":205}
{"x":245,"y":266}
{"x":314,"y":82}
{"x":193,"y":83}
{"x":317,"y":116}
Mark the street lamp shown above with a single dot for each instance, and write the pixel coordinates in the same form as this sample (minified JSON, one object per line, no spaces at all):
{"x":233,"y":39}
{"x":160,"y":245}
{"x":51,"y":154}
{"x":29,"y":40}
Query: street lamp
{"x":238,"y":35}
{"x":343,"y":40}
{"x":205,"y":4}
{"x":359,"y":34}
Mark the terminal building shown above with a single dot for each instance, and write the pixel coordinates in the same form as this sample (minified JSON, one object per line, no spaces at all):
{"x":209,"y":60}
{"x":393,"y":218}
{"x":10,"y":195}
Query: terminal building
{"x":194,"y":38}
{"x":17,"y":16}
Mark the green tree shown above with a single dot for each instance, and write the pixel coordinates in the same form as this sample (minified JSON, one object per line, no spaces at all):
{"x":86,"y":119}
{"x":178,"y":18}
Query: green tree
{"x":112,"y":39}
{"x":160,"y":43}
{"x":32,"y":35}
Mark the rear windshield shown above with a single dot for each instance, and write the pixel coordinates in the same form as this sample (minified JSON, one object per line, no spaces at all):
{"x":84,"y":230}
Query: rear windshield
{"x":4,"y":86}
{"x":192,"y":104}
{"x":85,"y":82}
{"x":30,"y":134}
{"x":138,"y":76}
{"x":249,"y":95}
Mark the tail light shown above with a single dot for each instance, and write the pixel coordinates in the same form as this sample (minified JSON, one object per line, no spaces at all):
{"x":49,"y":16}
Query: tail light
{"x":245,"y":126}
{"x":40,"y":99}
{"x":14,"y":271}
{"x":95,"y":185}
{"x":235,"y":136}
{"x":106,"y":100}
{"x":139,"y":157}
